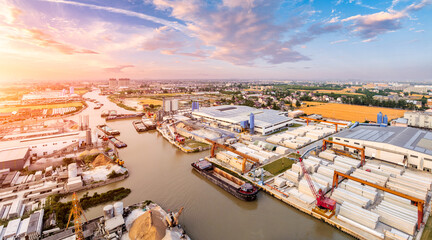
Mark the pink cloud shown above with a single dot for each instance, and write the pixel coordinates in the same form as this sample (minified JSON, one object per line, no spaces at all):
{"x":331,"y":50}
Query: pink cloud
{"x":118,"y":69}
{"x":44,"y":39}
{"x":370,"y":25}
{"x":238,"y":31}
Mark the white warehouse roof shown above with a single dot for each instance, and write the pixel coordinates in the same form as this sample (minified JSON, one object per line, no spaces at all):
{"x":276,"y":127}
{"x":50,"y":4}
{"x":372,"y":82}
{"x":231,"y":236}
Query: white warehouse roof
{"x":406,"y":137}
{"x":235,"y":114}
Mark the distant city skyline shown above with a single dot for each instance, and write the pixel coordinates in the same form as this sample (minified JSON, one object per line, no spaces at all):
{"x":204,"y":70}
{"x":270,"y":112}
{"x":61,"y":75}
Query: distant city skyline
{"x":232,"y":39}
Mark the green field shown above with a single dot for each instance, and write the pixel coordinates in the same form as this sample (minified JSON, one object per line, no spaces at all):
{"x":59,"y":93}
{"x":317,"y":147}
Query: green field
{"x":195,"y":144}
{"x":279,"y":166}
{"x":427,"y":232}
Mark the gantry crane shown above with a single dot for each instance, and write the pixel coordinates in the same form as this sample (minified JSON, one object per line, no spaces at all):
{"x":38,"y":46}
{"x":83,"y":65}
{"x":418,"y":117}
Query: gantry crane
{"x":361,"y":149}
{"x":322,"y":201}
{"x":317,"y":120}
{"x":77,"y":212}
{"x":232,"y":149}
{"x":418,"y":202}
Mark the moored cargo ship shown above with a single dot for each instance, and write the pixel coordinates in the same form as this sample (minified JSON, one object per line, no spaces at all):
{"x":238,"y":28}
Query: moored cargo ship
{"x":107,"y":130}
{"x":150,"y":125}
{"x":117,"y":143}
{"x":139,"y":126}
{"x":239,"y":188}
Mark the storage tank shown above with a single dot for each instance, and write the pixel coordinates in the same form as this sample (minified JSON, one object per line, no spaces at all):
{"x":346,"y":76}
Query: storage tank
{"x":167,"y":106}
{"x":72,"y":170}
{"x":193,"y":106}
{"x":379,"y":118}
{"x":88,"y":136}
{"x":175,"y":104}
{"x":252,"y":123}
{"x":108,"y":211}
{"x":118,"y":209}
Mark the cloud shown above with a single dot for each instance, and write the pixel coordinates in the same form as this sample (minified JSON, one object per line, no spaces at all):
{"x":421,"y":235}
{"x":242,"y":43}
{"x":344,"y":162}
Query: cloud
{"x":164,"y":38}
{"x":117,"y":69}
{"x":13,"y":28}
{"x":313,"y":31}
{"x":43,"y":39}
{"x":356,"y":2}
{"x":369,"y":40}
{"x":370,"y":25}
{"x":122,"y":11}
{"x":339,"y":41}
{"x":237,"y":31}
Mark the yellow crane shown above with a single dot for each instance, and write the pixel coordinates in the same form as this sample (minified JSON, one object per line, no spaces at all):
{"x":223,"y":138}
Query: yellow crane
{"x":76,"y":211}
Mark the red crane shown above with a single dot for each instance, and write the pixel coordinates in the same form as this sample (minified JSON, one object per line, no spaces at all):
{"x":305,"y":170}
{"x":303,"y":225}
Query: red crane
{"x":178,"y":137}
{"x":322,"y":201}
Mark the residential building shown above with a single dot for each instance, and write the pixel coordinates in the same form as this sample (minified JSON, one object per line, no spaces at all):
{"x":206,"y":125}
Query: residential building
{"x":419,"y":119}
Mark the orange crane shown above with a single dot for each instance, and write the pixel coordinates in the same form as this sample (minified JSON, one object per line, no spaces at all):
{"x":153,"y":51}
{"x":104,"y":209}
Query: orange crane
{"x":317,"y":120}
{"x":232,"y":149}
{"x":361,"y":149}
{"x":416,"y":201}
{"x":77,"y":212}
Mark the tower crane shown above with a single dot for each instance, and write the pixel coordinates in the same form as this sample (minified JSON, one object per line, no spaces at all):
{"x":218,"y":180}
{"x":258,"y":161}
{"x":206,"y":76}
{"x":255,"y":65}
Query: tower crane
{"x":77,"y":212}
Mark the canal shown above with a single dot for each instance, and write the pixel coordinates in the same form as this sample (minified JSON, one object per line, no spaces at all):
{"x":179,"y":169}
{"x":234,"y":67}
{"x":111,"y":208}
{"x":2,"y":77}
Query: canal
{"x":162,"y":173}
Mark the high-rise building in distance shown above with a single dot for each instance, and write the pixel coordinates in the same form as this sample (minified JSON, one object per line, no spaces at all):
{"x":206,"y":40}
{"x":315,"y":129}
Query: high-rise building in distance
{"x":124,"y":82}
{"x":112,"y":82}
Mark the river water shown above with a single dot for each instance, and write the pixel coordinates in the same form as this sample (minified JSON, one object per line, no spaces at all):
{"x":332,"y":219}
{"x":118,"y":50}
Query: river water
{"x":162,"y":173}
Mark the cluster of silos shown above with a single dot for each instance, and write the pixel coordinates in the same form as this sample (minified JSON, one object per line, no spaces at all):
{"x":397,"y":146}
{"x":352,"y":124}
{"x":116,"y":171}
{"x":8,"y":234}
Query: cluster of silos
{"x":83,"y":122}
{"x":111,"y":211}
{"x":195,"y":105}
{"x":382,"y":120}
{"x":170,"y":105}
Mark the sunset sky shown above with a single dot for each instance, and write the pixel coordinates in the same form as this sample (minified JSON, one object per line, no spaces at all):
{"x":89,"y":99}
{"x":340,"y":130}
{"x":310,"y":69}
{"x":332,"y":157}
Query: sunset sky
{"x":214,"y":39}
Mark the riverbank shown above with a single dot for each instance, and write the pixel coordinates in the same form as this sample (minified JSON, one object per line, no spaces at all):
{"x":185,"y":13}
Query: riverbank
{"x":143,"y":219}
{"x":187,"y":149}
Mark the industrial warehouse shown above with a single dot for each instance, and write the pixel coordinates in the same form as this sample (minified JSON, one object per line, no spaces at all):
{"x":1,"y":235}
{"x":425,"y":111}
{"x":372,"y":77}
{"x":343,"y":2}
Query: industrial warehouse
{"x":400,"y":145}
{"x":263,"y":121}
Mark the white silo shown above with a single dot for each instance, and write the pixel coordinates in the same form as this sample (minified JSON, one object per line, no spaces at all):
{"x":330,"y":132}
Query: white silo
{"x":118,"y":208}
{"x":108,"y":211}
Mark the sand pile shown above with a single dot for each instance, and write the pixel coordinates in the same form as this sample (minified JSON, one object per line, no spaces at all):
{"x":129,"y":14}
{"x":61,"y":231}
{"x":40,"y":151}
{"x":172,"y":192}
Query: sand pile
{"x":101,"y":160}
{"x":149,"y":226}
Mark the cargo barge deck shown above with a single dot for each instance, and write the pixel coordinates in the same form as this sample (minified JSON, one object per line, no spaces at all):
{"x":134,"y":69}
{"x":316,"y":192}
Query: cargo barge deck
{"x":124,"y":116}
{"x":139,"y":126}
{"x":238,"y":188}
{"x":107,"y":130}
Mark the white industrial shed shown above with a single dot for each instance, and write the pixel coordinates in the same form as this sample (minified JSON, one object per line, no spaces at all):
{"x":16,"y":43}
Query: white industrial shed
{"x":266,"y":120}
{"x":401,"y":145}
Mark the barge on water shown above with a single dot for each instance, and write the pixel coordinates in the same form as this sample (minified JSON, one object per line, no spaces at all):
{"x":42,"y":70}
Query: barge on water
{"x":239,"y":188}
{"x":117,"y":143}
{"x":150,"y":125}
{"x":107,"y":130}
{"x":124,"y":116}
{"x":139,"y":126}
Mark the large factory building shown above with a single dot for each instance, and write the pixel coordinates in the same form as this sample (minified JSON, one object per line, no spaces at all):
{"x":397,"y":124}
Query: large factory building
{"x":14,"y":159}
{"x":406,"y":146}
{"x":262,"y":121}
